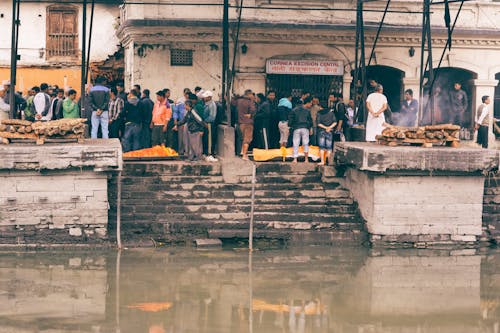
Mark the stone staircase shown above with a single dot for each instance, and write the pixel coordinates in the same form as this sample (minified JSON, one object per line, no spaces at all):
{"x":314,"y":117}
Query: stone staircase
{"x":179,"y":201}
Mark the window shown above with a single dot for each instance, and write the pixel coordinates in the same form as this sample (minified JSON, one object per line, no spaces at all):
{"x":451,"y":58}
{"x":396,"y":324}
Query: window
{"x":62,"y":32}
{"x":181,"y":57}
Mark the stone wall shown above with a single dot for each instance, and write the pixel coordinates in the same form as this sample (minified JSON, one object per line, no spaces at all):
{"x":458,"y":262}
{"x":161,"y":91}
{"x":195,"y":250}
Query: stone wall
{"x":56,"y":193}
{"x":60,"y":206}
{"x":491,"y":207}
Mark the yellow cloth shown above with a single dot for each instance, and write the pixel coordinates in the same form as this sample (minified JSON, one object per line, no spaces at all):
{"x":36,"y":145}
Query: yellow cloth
{"x":262,"y":155}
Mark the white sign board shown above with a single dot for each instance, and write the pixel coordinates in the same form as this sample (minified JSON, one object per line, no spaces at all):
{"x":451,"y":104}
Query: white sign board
{"x":304,"y":67}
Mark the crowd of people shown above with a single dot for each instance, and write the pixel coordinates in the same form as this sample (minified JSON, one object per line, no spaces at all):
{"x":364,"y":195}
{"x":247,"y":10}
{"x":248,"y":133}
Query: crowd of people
{"x":189,"y":124}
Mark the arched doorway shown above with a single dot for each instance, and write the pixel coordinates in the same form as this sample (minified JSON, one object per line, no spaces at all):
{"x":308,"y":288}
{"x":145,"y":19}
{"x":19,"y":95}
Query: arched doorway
{"x":392,"y":80}
{"x":445,"y":78}
{"x":496,"y":102}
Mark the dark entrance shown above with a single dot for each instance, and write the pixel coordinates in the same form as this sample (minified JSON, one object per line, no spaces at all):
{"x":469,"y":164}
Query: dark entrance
{"x":319,"y":85}
{"x":443,"y":85}
{"x":496,"y":101}
{"x":392,"y":80}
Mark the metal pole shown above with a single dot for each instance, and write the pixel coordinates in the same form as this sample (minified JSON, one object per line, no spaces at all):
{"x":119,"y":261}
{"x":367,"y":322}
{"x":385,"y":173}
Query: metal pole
{"x":235,"y":47}
{"x":372,"y":54}
{"x":225,"y":58}
{"x":363,"y":61}
{"x":119,"y":211}
{"x":90,"y":40}
{"x":430,"y":77}
{"x":252,"y":207}
{"x":356,"y":66}
{"x":83,"y":65}
{"x":13,"y":60}
{"x":422,"y":66}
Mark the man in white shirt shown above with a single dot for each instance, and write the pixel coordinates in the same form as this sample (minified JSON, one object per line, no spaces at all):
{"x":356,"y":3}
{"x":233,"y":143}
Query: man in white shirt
{"x":4,"y":106}
{"x":482,"y":121}
{"x":41,"y":102}
{"x":376,"y":103}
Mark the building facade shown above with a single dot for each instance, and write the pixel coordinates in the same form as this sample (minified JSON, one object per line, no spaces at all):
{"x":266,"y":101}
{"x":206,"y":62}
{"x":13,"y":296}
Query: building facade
{"x":309,"y":45}
{"x":50,"y":41}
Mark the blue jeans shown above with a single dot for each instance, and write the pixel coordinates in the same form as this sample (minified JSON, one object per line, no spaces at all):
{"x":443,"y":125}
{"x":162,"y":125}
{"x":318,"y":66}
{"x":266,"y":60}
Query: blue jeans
{"x":325,"y":140}
{"x":298,"y":134}
{"x":132,"y":137}
{"x":103,"y":120}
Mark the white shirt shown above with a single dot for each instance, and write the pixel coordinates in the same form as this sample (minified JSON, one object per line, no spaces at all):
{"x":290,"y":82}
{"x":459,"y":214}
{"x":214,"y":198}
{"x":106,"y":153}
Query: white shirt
{"x":484,"y":113}
{"x":377,"y":101}
{"x":39,"y":102}
{"x":4,"y":106}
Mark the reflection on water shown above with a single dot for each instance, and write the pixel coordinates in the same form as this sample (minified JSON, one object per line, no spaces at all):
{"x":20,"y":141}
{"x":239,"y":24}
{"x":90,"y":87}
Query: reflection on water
{"x":299,"y":290}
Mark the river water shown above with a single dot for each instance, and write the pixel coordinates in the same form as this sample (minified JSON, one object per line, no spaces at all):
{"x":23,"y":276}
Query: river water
{"x":296,"y":290}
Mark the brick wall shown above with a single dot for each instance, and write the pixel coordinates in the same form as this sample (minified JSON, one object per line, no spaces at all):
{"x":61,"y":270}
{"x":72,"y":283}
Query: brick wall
{"x":491,"y":207}
{"x":53,"y":207}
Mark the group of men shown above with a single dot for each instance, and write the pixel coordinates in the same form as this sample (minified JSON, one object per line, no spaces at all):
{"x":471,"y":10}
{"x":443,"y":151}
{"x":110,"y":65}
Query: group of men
{"x":263,"y":123}
{"x":187,"y":125}
{"x":42,"y":103}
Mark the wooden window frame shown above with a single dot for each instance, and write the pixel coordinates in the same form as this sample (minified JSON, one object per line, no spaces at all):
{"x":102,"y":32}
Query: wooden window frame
{"x":63,"y":53}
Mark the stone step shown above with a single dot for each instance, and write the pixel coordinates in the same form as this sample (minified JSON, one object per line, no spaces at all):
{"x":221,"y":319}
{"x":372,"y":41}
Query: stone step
{"x":286,"y":168}
{"x":289,"y":178}
{"x":243,"y":216}
{"x":204,"y":225}
{"x":168,"y":179}
{"x":171,"y":168}
{"x":229,"y":208}
{"x":153,"y":202}
{"x":304,"y":237}
{"x":214,"y":195}
{"x":213,"y":187}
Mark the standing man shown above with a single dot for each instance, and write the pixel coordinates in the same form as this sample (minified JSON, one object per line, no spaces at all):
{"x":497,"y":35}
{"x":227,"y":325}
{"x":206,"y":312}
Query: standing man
{"x":482,"y":121}
{"x":376,"y":103}
{"x":211,"y":126}
{"x":41,"y":104}
{"x":409,"y":109}
{"x":178,"y":113}
{"x":133,"y":122}
{"x":459,"y":104}
{"x":160,"y":119}
{"x":340,"y":114}
{"x":245,"y":107}
{"x":266,"y":111}
{"x":315,"y":108}
{"x":57,"y":103}
{"x":70,"y":107}
{"x":115,"y":109}
{"x":4,"y":105}
{"x":147,"y":109}
{"x":20,"y":102}
{"x":301,"y":122}
{"x":99,"y":101}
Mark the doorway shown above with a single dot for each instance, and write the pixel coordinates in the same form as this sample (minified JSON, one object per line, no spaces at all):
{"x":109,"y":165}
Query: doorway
{"x":318,"y":85}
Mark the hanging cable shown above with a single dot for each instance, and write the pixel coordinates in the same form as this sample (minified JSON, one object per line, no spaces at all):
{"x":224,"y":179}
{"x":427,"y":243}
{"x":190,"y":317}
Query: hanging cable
{"x":235,"y":49}
{"x":378,"y":32}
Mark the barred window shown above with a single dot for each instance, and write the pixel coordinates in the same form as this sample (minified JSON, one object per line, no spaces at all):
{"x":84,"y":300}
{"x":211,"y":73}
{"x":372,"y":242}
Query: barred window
{"x":62,"y":31}
{"x":181,"y":57}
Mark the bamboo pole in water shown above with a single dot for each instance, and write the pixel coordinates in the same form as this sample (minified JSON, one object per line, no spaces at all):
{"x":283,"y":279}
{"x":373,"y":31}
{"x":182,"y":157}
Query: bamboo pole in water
{"x":250,"y":231}
{"x":118,"y":210}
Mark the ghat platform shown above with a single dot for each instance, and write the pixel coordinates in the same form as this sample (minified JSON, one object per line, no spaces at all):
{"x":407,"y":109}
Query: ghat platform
{"x":418,"y":196}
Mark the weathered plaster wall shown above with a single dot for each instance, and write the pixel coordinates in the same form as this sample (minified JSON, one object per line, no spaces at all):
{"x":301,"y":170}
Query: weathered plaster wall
{"x":491,"y":208}
{"x":32,"y":32}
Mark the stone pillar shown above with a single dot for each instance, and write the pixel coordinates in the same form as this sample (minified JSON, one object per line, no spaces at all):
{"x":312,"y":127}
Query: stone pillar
{"x":346,"y":87}
{"x":482,"y":88}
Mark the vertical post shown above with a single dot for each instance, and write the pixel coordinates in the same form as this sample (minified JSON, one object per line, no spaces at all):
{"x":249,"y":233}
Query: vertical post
{"x":83,"y":65}
{"x":13,"y":59}
{"x":362,"y":59}
{"x":426,"y":42}
{"x":225,"y":60}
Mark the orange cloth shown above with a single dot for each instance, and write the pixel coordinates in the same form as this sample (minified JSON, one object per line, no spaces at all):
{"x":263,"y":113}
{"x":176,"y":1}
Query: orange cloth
{"x":161,"y":114}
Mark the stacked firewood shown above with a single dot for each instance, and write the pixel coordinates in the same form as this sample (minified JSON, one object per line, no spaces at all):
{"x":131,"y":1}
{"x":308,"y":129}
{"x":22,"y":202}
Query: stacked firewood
{"x":426,"y":136}
{"x":41,"y":130}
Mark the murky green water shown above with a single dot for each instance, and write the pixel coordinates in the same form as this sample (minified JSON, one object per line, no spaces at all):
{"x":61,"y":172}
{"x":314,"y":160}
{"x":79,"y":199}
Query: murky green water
{"x":315,"y":289}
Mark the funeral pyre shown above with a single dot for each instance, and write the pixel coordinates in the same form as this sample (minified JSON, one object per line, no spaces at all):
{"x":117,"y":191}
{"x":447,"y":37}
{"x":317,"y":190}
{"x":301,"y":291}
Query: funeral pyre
{"x":42,"y":130}
{"x":426,"y":136}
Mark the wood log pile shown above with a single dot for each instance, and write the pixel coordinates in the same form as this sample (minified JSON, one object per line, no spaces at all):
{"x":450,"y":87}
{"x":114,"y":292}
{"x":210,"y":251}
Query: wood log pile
{"x":41,"y":130}
{"x":426,"y":136}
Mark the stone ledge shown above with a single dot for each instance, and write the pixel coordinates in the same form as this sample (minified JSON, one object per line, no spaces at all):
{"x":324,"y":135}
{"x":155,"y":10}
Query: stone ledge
{"x":101,"y":154}
{"x":372,"y":157}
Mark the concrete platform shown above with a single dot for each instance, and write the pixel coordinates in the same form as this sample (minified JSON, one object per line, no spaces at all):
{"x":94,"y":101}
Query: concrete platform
{"x":418,"y":197}
{"x":56,"y":193}
{"x":366,"y":156}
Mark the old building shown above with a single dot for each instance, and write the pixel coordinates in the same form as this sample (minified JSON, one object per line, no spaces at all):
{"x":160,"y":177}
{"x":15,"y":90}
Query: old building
{"x":50,"y":41}
{"x":295,"y":45}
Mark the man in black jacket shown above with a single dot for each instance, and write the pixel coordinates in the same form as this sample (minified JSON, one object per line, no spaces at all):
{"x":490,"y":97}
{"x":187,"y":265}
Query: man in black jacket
{"x":147,"y":110}
{"x":99,"y":101}
{"x":300,"y":121}
{"x":133,"y":123}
